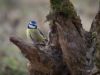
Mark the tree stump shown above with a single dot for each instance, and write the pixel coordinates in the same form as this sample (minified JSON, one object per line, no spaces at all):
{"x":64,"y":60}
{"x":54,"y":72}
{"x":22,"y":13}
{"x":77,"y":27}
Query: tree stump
{"x":70,"y":51}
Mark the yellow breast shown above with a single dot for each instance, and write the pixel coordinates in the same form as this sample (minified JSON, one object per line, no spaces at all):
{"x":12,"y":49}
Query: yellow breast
{"x":35,"y":35}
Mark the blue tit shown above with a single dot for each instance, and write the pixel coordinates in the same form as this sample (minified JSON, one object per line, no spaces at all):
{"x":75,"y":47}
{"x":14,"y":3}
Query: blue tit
{"x":34,"y":34}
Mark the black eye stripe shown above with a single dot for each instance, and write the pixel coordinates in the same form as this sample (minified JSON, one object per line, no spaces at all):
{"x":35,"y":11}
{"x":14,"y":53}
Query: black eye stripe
{"x":30,"y":26}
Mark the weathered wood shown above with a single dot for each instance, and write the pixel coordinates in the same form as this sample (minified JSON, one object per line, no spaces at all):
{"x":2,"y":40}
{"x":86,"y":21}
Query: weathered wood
{"x":48,"y":61}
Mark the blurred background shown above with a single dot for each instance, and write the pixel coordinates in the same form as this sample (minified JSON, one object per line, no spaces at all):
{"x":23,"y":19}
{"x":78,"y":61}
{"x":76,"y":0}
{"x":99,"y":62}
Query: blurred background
{"x":14,"y":17}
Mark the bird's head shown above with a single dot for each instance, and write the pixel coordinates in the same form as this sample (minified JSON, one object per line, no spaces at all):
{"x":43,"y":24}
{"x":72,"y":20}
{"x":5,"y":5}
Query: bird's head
{"x":32,"y":25}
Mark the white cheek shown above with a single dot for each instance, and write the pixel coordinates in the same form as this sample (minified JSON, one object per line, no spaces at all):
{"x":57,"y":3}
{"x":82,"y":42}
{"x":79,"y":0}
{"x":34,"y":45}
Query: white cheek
{"x":31,"y":26}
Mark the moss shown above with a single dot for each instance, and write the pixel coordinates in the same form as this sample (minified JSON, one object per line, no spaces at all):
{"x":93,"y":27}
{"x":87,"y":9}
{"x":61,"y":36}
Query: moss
{"x":94,"y":34}
{"x":68,"y":8}
{"x":56,"y":4}
{"x":64,"y":6}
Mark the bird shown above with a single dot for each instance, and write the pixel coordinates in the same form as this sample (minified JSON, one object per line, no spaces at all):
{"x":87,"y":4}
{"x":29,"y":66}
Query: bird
{"x":35,"y":35}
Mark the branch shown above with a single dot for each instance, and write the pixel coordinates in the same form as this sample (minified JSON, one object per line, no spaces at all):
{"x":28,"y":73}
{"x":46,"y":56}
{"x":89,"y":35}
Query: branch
{"x":34,"y":55}
{"x":25,"y":48}
{"x":48,"y":60}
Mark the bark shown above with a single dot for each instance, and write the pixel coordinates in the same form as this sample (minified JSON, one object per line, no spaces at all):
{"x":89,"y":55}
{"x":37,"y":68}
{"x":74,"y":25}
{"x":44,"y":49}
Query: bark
{"x":70,"y":50}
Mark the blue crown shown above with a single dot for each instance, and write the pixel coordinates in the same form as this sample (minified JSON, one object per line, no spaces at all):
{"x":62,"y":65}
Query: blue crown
{"x":32,"y":25}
